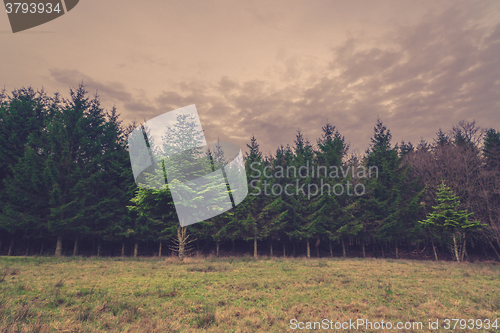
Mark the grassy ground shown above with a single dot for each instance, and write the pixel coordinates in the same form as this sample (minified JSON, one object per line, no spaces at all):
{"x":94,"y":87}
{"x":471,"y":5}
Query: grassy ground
{"x":43,"y":294}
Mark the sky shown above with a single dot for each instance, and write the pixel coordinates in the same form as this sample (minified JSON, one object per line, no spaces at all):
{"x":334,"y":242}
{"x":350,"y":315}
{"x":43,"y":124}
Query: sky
{"x":270,"y":68}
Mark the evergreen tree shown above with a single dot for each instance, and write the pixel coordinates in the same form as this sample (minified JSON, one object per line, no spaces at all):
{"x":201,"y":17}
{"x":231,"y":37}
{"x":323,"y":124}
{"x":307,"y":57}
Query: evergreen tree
{"x":27,"y":207}
{"x":391,"y":200}
{"x":326,"y":216}
{"x":77,"y":160}
{"x":245,"y":222}
{"x":285,"y":219}
{"x":491,"y":149}
{"x":23,"y":118}
{"x":442,"y":138}
{"x":113,"y":183}
{"x":80,"y":149}
{"x":405,"y":148}
{"x":156,"y":216}
{"x":461,"y":140}
{"x":376,"y":203}
{"x":450,"y":220}
{"x":303,"y":160}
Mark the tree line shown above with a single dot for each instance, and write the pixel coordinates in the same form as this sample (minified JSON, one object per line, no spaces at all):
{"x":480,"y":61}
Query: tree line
{"x":67,"y":187}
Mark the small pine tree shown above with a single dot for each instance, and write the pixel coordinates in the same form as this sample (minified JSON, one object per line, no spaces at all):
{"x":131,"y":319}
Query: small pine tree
{"x":447,"y":218}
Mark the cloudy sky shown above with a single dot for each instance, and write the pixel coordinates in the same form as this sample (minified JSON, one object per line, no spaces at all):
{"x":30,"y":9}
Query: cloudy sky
{"x":268,"y":68}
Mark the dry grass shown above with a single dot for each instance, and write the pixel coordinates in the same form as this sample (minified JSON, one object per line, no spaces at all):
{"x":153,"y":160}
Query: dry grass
{"x":236,"y":294}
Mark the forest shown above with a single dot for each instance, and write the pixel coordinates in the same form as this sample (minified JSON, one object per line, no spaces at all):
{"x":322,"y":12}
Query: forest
{"x":67,"y":188}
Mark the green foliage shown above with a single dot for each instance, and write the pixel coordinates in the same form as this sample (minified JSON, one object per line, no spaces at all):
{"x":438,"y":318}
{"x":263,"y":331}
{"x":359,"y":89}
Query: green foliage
{"x":387,"y":208}
{"x":448,"y":220}
{"x":491,"y":149}
{"x":65,"y":172}
{"x":447,"y":215}
{"x":70,"y":179}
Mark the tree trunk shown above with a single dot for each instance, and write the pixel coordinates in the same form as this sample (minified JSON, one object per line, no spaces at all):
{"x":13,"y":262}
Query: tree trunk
{"x":284,"y":250}
{"x":217,"y":244}
{"x":494,"y":249}
{"x":484,"y":250}
{"x":308,"y":249}
{"x":331,"y":250}
{"x":75,"y":248}
{"x":382,"y":248}
{"x":27,"y":248}
{"x":41,"y":249}
{"x":271,"y":248}
{"x":11,"y":247}
{"x":255,"y":246}
{"x":123,"y":249}
{"x":397,"y":249}
{"x":343,"y":247}
{"x":136,"y":249}
{"x":435,"y":252}
{"x":455,"y":249}
{"x":232,"y":241}
{"x":99,"y":249}
{"x":58,"y":247}
{"x":363,"y":246}
{"x":159,"y":249}
{"x":318,"y":242}
{"x":181,"y":239}
{"x":464,"y":249}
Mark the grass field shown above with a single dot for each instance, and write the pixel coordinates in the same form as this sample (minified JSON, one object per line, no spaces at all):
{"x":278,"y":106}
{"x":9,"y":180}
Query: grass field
{"x":44,"y":294}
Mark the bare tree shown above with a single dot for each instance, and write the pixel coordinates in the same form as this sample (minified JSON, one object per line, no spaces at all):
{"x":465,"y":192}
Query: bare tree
{"x":181,"y":243}
{"x":469,"y":131}
{"x":462,"y":167}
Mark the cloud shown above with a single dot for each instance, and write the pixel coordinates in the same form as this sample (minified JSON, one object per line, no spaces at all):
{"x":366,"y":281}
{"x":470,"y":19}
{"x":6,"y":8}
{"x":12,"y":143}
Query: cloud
{"x":417,"y":78}
{"x":114,"y":91}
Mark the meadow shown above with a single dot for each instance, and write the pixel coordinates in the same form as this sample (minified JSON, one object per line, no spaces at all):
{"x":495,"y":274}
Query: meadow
{"x":206,"y":294}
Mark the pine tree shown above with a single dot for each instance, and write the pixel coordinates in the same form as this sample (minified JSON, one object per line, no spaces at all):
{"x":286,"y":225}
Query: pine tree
{"x":156,"y":218}
{"x":80,"y":151}
{"x":376,"y":203}
{"x":180,"y":163}
{"x":27,"y":208}
{"x":442,"y":138}
{"x":23,"y":118}
{"x":305,"y":228}
{"x":405,"y":148}
{"x":491,"y":149}
{"x":391,"y":200}
{"x":78,"y":161}
{"x":278,"y":214}
{"x":326,"y":216}
{"x":461,"y":140}
{"x":115,"y":186}
{"x":245,"y":220}
{"x":450,"y":220}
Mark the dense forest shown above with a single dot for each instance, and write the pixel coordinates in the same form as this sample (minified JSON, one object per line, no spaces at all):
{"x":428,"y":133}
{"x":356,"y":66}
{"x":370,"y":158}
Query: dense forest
{"x":67,"y":188}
